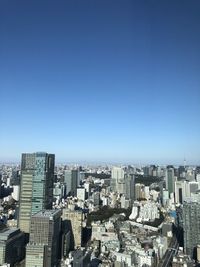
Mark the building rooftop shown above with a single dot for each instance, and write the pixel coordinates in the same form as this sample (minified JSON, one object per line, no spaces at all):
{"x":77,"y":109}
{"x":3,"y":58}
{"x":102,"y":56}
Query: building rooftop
{"x":7,"y":233}
{"x":72,"y":211}
{"x":47,"y":213}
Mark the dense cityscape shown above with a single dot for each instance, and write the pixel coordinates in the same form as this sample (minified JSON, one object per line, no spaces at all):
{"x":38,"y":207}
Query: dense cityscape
{"x":99,"y":133}
{"x":106,"y":216}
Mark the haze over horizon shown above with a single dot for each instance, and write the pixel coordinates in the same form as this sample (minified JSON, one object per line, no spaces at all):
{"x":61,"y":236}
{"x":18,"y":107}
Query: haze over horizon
{"x":100,"y":81}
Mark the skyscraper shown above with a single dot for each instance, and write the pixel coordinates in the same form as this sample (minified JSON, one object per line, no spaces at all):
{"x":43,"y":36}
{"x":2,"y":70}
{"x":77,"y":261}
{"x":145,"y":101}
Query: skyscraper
{"x":191,"y":225}
{"x":170,"y":179}
{"x":118,"y":181}
{"x":123,"y":182}
{"x":117,"y":173}
{"x":36,"y":188}
{"x":43,"y":247}
{"x":130,"y":187}
{"x":71,"y":181}
{"x":73,"y":220}
{"x":179,"y":192}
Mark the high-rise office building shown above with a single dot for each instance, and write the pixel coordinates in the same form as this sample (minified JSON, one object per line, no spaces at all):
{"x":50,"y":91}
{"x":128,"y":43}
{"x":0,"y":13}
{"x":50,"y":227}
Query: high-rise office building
{"x":188,"y":188}
{"x":73,"y":220}
{"x":146,"y":170}
{"x":36,"y":188}
{"x":43,"y":247}
{"x":117,"y":173}
{"x":123,"y":182}
{"x":71,"y":178}
{"x":179,"y":192}
{"x":80,"y":193}
{"x":117,"y":180}
{"x":191,"y":225}
{"x":26,"y":185}
{"x":181,"y":172}
{"x":42,"y":194}
{"x":67,"y":180}
{"x":170,"y":180}
{"x":130,"y":187}
{"x":139,"y":191}
{"x":193,"y":187}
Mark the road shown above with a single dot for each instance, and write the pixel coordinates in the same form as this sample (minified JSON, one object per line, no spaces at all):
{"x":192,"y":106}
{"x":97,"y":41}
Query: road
{"x":167,"y":258}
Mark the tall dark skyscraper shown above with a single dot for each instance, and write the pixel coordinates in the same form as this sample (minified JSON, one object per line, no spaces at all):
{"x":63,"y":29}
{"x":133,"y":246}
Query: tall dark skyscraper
{"x":191,"y":226}
{"x":71,"y":181}
{"x":36,"y":188}
{"x":170,"y":179}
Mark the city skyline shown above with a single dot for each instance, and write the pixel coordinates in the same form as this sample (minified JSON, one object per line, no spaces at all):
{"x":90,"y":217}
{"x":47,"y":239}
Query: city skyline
{"x":79,"y":162}
{"x":107,"y":81}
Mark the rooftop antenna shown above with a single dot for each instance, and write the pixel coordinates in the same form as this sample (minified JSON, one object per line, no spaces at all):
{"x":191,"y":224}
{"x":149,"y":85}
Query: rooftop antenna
{"x":184,"y":162}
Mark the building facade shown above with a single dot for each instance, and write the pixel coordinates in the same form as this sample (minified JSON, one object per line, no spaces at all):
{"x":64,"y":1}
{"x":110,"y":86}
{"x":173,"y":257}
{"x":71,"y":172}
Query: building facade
{"x":71,"y":178}
{"x":73,"y":220}
{"x":36,"y":188}
{"x":170,"y":180}
{"x":43,"y":247}
{"x":123,"y":182}
{"x":191,"y":226}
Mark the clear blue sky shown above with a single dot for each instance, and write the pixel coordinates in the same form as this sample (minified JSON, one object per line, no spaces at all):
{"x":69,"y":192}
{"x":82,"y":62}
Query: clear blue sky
{"x":100,"y":80}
